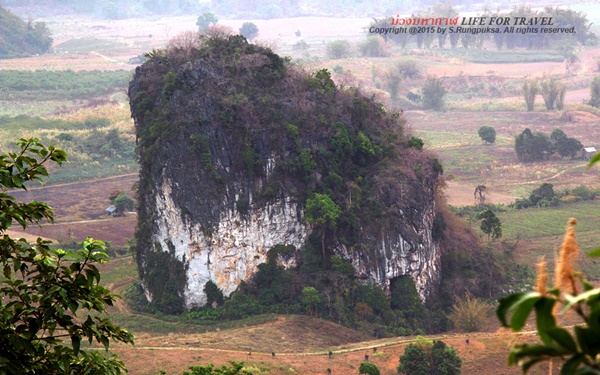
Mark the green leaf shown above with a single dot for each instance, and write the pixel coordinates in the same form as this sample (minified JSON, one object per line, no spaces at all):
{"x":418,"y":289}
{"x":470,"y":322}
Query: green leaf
{"x":572,"y":300}
{"x":588,"y":339}
{"x":593,"y":160}
{"x":76,"y":342}
{"x":521,"y":313}
{"x":562,"y":337}
{"x":570,"y":366}
{"x":522,"y":303}
{"x":508,"y":303}
{"x":545,"y":318}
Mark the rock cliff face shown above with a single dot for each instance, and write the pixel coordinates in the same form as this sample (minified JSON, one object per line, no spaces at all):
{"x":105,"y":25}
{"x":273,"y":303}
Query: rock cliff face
{"x":233,"y":142}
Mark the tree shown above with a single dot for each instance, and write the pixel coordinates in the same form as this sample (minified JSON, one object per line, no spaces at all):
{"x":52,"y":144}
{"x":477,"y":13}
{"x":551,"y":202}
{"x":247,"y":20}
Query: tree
{"x":553,"y":91}
{"x":532,"y":146}
{"x":124,"y":202}
{"x":487,"y":134}
{"x":48,"y":295}
{"x":564,"y":145}
{"x":595,"y":93}
{"x":568,"y":147}
{"x":557,"y":134}
{"x":479,"y":193}
{"x":321,"y":210}
{"x":310,"y":300}
{"x":433,"y":94}
{"x":413,"y":361}
{"x":338,"y":49}
{"x":428,"y":357}
{"x":542,"y":195}
{"x":530,"y":90}
{"x":368,"y":369}
{"x":249,"y":30}
{"x":490,"y":224}
{"x":236,"y":368}
{"x":444,"y":360}
{"x":206,"y":20}
{"x":213,"y":294}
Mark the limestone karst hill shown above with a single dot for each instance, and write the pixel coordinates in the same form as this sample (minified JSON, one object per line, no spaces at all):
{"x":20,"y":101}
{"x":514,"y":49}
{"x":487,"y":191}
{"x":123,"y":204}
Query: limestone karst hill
{"x":246,"y":159}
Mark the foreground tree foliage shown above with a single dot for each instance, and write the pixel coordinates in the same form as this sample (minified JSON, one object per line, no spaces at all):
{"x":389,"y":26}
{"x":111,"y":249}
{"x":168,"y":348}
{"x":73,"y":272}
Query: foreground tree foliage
{"x":46,"y":296}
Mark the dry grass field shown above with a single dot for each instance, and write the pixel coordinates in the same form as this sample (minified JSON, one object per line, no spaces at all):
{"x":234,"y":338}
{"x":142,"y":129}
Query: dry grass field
{"x":79,"y":209}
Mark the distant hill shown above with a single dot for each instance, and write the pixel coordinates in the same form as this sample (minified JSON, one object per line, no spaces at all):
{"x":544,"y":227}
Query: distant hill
{"x":19,"y":38}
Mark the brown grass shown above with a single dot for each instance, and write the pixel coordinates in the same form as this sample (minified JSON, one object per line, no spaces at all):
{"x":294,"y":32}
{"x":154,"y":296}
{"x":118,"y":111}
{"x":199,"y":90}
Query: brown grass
{"x":80,"y":208}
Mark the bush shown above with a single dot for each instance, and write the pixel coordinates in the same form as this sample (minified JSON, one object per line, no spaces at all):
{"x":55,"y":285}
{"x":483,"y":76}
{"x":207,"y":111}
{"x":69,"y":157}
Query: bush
{"x":487,"y":134}
{"x":374,"y":46}
{"x":470,"y":314}
{"x":338,"y":49}
{"x":409,"y":68}
{"x":236,"y":368}
{"x":427,"y":357}
{"x":368,"y":369}
{"x":124,"y":203}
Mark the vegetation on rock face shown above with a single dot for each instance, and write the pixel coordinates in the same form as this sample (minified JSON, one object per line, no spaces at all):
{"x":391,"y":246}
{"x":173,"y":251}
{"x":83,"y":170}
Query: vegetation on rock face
{"x":21,"y":39}
{"x":46,"y":295}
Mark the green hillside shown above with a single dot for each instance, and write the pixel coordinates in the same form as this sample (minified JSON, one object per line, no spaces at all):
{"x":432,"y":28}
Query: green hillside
{"x":19,"y":38}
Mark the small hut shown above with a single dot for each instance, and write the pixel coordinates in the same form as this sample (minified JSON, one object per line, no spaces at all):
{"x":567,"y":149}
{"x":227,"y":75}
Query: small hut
{"x":111,"y":210}
{"x":588,"y":152}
